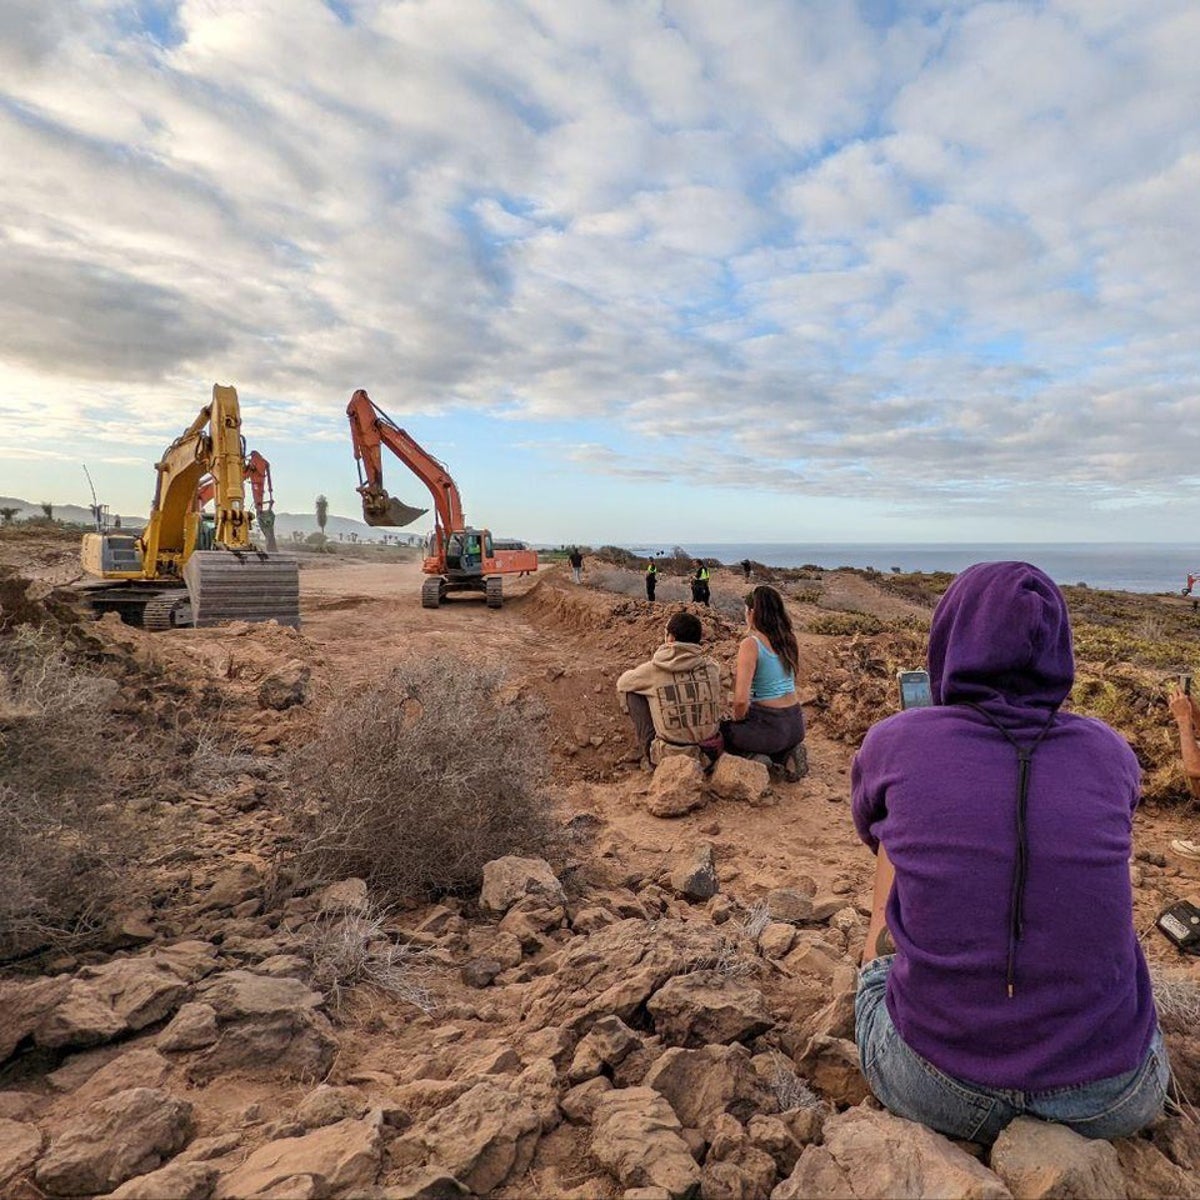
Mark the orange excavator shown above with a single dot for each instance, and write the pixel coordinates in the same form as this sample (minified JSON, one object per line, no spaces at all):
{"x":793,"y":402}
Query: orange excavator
{"x":458,"y":558}
{"x":256,"y":472}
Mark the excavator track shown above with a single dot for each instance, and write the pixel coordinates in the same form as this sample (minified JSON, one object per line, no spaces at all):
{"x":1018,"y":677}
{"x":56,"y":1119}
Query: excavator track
{"x":229,"y":585}
{"x":431,"y":592}
{"x":165,"y":612}
{"x":495,"y":591}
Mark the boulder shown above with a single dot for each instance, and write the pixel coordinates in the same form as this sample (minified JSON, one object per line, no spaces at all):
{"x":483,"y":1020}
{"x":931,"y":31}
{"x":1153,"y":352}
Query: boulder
{"x":345,"y":1156}
{"x":431,"y":1184}
{"x":698,"y":1084}
{"x":20,"y":1145}
{"x":772,"y":1136}
{"x":484,"y":1138}
{"x":637,"y":1137}
{"x":607,"y":1044}
{"x":538,"y":1085}
{"x":193,"y":1027}
{"x":696,"y":877}
{"x":240,"y":880}
{"x":1037,"y":1159}
{"x":616,"y":970}
{"x":834,"y":1068}
{"x":579,"y":1103}
{"x":127,"y":1134}
{"x":776,"y":939}
{"x":142,"y":1066}
{"x":1148,"y":1172}
{"x":326,"y":1105}
{"x":237,"y":994}
{"x":509,"y":879}
{"x":285,"y":687}
{"x":26,"y":1004}
{"x":111,"y":1000}
{"x":177,"y":1180}
{"x":480,"y":972}
{"x":677,"y":787}
{"x":740,"y":779}
{"x":747,"y":1176}
{"x":707,"y":1006}
{"x":835,"y":1020}
{"x":791,"y":904}
{"x":295,"y":1043}
{"x":869,"y":1153}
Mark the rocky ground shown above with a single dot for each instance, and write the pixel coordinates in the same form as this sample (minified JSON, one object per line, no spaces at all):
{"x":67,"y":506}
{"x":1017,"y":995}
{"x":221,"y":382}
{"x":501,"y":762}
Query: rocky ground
{"x":662,"y":1011}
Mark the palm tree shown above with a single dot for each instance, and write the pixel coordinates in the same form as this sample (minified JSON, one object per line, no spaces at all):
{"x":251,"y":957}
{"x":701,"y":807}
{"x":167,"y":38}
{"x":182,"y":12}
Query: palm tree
{"x":322,"y":512}
{"x":48,"y":509}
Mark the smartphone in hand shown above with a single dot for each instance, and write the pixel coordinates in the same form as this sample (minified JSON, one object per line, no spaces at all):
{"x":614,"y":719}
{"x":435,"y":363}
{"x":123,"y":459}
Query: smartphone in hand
{"x":914,"y":689}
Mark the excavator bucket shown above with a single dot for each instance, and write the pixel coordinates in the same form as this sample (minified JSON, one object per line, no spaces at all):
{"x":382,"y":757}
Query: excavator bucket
{"x":242,"y":585}
{"x":382,"y":509}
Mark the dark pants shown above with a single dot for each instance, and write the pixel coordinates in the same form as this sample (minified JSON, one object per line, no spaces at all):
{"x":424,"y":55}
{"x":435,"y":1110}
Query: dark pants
{"x":651,"y":584}
{"x":699,"y":592}
{"x":765,"y":730}
{"x":643,"y":722}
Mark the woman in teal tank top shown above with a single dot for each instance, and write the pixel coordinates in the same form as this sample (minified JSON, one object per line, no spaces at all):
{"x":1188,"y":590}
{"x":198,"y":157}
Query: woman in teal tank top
{"x":767,"y":717}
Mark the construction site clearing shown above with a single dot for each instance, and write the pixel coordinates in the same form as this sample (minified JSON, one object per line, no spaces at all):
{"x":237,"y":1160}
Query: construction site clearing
{"x":660,"y":1005}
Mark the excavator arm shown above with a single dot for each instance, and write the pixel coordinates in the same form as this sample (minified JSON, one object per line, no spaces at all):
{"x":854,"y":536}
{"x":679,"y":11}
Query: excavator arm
{"x":257,"y":472}
{"x":211,"y":445}
{"x":370,"y":430}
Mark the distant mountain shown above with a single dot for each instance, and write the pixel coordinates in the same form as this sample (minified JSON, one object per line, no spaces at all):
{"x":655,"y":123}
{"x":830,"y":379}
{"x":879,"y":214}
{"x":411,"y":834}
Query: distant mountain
{"x":71,"y":513}
{"x":285,"y":523}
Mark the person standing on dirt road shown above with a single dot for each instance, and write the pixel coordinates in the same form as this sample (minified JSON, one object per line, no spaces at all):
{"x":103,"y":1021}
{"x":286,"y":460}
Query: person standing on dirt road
{"x":576,"y":561}
{"x":676,"y":696}
{"x":651,"y":580}
{"x":1002,"y":974}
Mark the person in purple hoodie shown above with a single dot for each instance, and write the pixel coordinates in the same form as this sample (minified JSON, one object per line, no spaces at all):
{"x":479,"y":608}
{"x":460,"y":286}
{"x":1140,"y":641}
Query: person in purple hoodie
{"x":1002,"y":974}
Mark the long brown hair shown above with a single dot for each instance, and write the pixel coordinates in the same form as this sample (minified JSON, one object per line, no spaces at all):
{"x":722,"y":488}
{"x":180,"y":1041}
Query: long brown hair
{"x":771,"y":620}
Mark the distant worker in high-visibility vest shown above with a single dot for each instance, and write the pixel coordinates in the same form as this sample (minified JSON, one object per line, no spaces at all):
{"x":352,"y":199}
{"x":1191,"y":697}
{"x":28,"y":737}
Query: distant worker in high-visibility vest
{"x":700,"y":593}
{"x":651,"y":580}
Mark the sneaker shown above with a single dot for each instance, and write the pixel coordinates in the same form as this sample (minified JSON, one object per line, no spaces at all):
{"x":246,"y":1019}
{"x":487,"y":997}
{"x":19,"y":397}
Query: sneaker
{"x":795,"y":766}
{"x":1185,"y":848}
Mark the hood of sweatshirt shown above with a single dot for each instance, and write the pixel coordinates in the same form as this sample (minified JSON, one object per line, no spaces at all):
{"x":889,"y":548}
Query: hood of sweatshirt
{"x":678,"y":656}
{"x":1001,"y":638}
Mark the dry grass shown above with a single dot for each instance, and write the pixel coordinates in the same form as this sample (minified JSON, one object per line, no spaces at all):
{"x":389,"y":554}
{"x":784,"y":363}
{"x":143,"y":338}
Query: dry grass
{"x":417,"y":783}
{"x":348,"y":951}
{"x":64,"y":842}
{"x":790,"y":1089}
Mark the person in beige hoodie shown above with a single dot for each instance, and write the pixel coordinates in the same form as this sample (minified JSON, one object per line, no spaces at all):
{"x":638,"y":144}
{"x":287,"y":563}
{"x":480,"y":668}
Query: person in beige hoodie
{"x":676,"y":696}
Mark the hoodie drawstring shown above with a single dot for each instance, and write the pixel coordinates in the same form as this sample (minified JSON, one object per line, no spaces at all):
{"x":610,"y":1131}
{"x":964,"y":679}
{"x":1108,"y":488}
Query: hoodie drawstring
{"x":1016,"y":904}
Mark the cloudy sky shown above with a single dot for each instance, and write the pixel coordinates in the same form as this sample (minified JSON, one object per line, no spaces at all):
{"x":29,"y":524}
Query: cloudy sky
{"x":794,"y":270}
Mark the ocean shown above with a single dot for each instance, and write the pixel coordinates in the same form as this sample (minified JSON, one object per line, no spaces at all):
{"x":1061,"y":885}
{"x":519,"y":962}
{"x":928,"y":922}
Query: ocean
{"x":1114,"y":566}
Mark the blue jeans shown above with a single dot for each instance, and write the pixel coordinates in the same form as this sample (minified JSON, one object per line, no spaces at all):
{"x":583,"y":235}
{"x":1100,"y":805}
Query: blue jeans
{"x":912,"y":1087}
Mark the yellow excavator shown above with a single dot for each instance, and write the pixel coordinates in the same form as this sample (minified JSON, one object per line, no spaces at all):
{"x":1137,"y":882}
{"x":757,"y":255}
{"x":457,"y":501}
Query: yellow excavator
{"x":159,"y":579}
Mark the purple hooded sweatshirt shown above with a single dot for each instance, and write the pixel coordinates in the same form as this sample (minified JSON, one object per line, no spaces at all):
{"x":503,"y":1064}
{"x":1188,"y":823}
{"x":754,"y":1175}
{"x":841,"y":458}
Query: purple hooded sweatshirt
{"x":938,"y":787}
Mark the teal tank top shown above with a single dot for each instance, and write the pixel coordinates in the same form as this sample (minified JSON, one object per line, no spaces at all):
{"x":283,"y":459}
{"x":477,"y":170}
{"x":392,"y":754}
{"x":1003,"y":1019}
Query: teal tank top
{"x":771,"y":678}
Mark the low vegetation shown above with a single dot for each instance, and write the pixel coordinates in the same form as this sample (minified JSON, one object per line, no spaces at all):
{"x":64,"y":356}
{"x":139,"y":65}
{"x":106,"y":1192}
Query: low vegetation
{"x":415,"y":784}
{"x":64,"y":843}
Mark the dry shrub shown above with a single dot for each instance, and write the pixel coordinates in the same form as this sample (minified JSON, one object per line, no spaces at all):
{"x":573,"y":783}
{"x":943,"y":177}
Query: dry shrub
{"x":353,"y":949}
{"x":63,"y":842}
{"x":417,"y":783}
{"x":843,"y":624}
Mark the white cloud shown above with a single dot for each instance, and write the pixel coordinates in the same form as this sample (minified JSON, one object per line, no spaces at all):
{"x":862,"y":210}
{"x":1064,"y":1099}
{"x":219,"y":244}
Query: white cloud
{"x":810,"y":251}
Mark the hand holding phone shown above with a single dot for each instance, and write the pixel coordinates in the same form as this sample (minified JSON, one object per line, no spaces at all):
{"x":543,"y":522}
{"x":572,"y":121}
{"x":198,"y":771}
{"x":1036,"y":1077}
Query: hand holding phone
{"x":914,"y":689}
